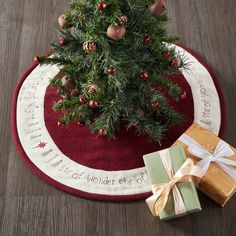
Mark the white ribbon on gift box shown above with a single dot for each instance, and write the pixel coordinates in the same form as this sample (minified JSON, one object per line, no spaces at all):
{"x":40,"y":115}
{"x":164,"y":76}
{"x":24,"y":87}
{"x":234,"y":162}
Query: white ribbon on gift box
{"x":178,"y":200}
{"x":220,"y":155}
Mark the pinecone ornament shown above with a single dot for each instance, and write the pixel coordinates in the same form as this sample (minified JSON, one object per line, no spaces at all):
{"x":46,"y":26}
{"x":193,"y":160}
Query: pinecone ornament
{"x":93,"y":89}
{"x":139,"y":112}
{"x":175,"y":62}
{"x":89,"y":47}
{"x":123,"y":20}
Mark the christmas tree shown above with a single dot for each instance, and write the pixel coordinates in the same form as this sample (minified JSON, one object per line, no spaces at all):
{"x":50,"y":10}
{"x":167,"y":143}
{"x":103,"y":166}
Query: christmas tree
{"x":115,"y":61}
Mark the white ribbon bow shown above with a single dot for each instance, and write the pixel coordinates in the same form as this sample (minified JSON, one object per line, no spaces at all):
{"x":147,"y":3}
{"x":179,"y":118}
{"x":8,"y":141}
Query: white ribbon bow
{"x":220,"y":155}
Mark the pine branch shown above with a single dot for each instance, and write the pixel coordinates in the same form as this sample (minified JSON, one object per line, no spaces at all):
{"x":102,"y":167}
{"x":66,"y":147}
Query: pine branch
{"x":122,"y":96}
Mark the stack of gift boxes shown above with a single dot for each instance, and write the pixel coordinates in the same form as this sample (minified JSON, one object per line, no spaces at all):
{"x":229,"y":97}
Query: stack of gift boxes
{"x":197,"y":159}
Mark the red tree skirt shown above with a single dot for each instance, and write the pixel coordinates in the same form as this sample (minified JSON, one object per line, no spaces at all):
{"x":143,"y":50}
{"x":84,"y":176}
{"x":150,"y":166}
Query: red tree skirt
{"x":123,"y":153}
{"x":79,"y":145}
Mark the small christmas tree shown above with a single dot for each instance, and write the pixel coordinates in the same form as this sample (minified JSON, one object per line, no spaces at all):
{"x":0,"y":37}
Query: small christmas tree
{"x":115,"y":66}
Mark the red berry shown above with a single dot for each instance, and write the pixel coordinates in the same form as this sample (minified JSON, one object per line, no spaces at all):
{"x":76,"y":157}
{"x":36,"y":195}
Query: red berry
{"x":111,"y":70}
{"x":102,"y":6}
{"x":36,"y":59}
{"x":81,"y":124}
{"x":146,"y":39}
{"x":62,"y":41}
{"x":60,"y":124}
{"x":93,"y":104}
{"x":183,"y":95}
{"x":83,"y":100}
{"x":102,"y":132}
{"x":144,"y":76}
{"x":155,"y":105}
{"x":166,"y":54}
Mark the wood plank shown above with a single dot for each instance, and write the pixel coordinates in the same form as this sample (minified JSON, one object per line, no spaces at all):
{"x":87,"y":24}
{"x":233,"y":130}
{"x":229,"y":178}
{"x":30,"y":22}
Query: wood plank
{"x":28,"y":206}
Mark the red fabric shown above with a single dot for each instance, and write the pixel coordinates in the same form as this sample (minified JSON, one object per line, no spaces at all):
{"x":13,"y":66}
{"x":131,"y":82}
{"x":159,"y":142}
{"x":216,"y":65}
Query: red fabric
{"x":100,"y":152}
{"x":123,"y":153}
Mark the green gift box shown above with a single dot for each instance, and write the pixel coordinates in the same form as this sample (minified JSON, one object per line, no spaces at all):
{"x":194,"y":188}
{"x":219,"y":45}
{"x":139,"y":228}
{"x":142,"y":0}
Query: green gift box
{"x":158,"y":175}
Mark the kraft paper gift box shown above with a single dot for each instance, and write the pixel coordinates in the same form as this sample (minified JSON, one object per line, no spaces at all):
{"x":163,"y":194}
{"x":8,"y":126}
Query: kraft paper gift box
{"x":218,"y":162}
{"x":158,"y":174}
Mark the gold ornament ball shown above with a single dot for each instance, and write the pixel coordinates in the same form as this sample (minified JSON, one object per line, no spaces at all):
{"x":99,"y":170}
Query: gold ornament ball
{"x":116,"y":33}
{"x":89,"y":47}
{"x":158,"y":7}
{"x":62,"y":21}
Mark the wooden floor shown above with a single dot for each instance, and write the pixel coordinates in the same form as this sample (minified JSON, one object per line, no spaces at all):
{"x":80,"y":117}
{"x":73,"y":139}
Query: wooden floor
{"x":29,"y":206}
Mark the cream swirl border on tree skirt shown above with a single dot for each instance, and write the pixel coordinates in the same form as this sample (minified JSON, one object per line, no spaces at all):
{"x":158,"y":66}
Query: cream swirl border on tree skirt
{"x":52,"y":162}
